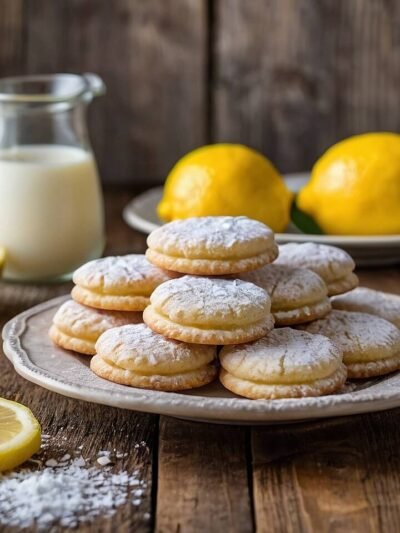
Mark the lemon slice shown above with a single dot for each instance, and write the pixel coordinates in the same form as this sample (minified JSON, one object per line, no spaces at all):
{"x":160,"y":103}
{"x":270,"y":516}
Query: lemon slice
{"x":20,"y":434}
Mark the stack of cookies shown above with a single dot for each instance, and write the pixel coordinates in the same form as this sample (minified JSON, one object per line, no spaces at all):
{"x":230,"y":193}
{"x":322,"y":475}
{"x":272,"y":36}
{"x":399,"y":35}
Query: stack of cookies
{"x":108,"y":293}
{"x":216,"y":284}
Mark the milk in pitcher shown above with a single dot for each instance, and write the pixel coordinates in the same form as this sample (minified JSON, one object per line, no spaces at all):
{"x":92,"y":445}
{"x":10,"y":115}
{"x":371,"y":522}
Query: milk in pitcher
{"x":51,"y":211}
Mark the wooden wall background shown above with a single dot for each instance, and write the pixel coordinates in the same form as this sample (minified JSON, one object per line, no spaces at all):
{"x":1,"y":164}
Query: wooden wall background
{"x":288,"y":77}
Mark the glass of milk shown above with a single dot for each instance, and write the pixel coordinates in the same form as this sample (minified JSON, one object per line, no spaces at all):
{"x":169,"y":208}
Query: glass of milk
{"x":51,"y":206}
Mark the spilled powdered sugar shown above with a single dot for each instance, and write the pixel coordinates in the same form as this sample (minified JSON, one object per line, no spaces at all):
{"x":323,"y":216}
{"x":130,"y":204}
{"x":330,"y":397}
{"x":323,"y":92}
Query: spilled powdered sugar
{"x":69,"y":491}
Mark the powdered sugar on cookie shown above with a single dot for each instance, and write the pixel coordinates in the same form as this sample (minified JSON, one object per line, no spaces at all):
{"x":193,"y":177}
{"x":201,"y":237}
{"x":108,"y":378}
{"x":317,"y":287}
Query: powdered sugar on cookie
{"x":212,"y":237}
{"x":139,"y":348}
{"x":284,"y":356}
{"x":120,"y":274}
{"x":211,"y":301}
{"x":76,"y":318}
{"x":298,"y":295}
{"x":327,"y":261}
{"x":284,"y":364}
{"x":363,"y":337}
{"x":288,"y":287}
{"x":366,"y":300}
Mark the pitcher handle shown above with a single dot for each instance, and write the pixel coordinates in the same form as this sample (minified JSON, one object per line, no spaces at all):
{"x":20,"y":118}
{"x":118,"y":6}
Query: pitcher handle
{"x":95,"y":84}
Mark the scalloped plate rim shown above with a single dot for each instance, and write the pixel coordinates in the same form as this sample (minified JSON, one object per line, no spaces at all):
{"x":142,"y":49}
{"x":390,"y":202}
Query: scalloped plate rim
{"x":194,"y":407}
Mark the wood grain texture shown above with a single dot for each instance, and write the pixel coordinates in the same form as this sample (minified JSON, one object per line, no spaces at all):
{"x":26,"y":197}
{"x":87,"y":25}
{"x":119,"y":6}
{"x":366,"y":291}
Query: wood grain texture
{"x":71,"y":423}
{"x":292,"y":77}
{"x":202,"y":478}
{"x":387,"y":279}
{"x":328,"y":476}
{"x":11,"y":37}
{"x":152,"y":57}
{"x":288,"y":77}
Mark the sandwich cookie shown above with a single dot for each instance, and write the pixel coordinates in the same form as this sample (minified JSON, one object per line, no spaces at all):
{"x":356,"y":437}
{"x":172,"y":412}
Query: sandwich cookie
{"x":366,"y":300}
{"x":297,"y":294}
{"x":370,"y":344}
{"x":122,"y":283}
{"x":212,"y":245}
{"x":333,"y":265}
{"x":137,"y":356}
{"x":77,"y":327}
{"x":285,"y":364}
{"x":209,"y":310}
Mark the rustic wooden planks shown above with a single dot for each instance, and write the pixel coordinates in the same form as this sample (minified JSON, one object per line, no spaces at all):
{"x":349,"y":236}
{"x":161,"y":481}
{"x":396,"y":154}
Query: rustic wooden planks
{"x":328,"y":476}
{"x":287,"y":77}
{"x":152,"y":56}
{"x":70,"y":423}
{"x":385,"y":280}
{"x":292,"y":77}
{"x":11,"y":37}
{"x":202,"y":478}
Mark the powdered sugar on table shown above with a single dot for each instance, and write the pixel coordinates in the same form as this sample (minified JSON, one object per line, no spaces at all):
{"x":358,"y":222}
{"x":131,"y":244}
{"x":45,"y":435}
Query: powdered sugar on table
{"x":67,"y":492}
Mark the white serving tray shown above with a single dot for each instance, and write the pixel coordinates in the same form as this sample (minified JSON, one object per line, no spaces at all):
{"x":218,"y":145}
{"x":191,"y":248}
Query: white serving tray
{"x":375,"y":250}
{"x":34,"y":357}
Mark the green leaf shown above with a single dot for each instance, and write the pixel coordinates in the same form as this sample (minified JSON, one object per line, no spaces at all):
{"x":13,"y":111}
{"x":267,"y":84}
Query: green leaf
{"x":304,"y":222}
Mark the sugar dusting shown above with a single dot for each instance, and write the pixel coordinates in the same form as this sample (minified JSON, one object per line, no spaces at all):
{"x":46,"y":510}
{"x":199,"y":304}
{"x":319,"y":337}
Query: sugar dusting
{"x":68,"y":491}
{"x":214,"y":233}
{"x":196,"y":300}
{"x":329,"y":262}
{"x":367,"y":300}
{"x":129,"y":271}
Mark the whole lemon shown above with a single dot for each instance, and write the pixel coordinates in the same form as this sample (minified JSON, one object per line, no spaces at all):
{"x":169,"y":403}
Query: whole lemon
{"x":2,"y":258}
{"x":226,"y":179}
{"x":355,"y":186}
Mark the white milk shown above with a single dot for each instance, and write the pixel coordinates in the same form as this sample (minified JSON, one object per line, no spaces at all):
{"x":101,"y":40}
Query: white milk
{"x":51,"y":211}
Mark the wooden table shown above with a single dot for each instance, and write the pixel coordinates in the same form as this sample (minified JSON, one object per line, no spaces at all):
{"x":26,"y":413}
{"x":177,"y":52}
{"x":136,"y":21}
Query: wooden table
{"x":335,"y":475}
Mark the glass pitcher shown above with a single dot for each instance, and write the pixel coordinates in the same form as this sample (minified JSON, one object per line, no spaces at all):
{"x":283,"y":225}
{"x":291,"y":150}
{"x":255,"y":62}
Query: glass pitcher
{"x":51,"y":206}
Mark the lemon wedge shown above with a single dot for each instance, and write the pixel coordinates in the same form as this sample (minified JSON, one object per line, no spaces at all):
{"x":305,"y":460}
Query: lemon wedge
{"x":20,"y":434}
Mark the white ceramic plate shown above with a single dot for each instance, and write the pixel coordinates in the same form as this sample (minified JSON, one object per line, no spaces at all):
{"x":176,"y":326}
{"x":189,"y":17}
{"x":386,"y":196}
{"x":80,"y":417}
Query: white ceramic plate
{"x":33,"y":355}
{"x":141,"y":214}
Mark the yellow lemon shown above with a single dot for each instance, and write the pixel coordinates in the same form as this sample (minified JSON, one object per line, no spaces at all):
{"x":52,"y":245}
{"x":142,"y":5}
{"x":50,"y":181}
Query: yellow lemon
{"x":20,"y":434}
{"x":2,"y":258}
{"x":355,"y":187}
{"x":226,"y":179}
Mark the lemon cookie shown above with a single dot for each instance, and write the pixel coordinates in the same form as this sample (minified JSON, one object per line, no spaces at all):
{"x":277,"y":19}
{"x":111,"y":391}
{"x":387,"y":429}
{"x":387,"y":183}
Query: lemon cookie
{"x":137,"y":356}
{"x":370,"y":344}
{"x":297,"y":294}
{"x":77,"y":327}
{"x":285,"y":364}
{"x":209,"y":310}
{"x":122,"y":283}
{"x":212,"y":245}
{"x":333,"y":265}
{"x":366,"y":300}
